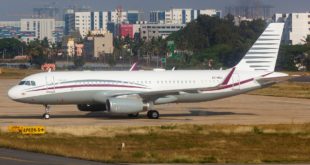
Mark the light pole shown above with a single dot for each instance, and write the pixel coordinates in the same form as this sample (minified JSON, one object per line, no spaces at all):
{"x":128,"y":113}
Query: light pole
{"x":3,"y":53}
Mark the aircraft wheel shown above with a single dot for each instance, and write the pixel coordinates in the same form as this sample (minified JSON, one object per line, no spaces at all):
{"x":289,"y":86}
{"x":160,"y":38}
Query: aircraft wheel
{"x":153,"y":114}
{"x":46,"y":116}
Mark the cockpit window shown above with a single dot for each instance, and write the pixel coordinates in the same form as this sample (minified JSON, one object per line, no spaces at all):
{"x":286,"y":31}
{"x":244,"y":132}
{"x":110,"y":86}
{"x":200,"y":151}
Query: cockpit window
{"x":33,"y":83}
{"x":28,"y":83}
{"x":22,"y":83}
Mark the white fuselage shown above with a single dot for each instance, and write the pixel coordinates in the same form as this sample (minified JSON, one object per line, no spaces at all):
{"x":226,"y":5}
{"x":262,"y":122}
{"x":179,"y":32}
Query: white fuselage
{"x":94,"y":87}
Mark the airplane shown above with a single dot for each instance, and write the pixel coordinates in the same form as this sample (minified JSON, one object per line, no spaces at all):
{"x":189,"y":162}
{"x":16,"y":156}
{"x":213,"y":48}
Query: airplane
{"x":127,"y":92}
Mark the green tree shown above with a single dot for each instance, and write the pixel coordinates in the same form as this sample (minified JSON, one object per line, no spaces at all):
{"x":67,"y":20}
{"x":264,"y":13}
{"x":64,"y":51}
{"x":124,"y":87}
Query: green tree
{"x":287,"y":56}
{"x":40,"y":52}
{"x":11,"y":47}
{"x":218,"y":40}
{"x":79,"y":61}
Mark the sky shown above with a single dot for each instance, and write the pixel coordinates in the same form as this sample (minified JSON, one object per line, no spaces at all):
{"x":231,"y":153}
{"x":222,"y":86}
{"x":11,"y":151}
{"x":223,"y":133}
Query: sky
{"x":16,"y":9}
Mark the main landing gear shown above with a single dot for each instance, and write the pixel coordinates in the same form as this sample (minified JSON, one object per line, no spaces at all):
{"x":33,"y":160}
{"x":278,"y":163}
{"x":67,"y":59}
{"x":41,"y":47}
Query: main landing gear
{"x":46,"y":115}
{"x":153,"y":114}
{"x":133,"y":115}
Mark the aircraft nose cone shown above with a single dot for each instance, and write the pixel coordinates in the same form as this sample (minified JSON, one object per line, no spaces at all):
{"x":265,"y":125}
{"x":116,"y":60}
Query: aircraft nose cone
{"x":12,"y":93}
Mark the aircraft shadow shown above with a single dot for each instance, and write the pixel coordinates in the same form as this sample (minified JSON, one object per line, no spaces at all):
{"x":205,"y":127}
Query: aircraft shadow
{"x":100,"y":115}
{"x":200,"y":112}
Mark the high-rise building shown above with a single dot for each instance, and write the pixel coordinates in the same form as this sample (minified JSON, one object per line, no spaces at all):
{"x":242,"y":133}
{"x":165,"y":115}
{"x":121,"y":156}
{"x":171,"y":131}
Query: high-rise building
{"x":69,"y":18}
{"x":43,"y":28}
{"x":133,"y":16}
{"x":180,"y":16}
{"x":296,"y":28}
{"x":157,"y":16}
{"x":88,"y":21}
{"x":85,"y":21}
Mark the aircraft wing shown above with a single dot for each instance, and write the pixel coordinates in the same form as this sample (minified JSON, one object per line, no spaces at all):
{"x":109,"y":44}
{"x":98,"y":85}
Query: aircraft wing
{"x":101,"y":97}
{"x":153,"y":95}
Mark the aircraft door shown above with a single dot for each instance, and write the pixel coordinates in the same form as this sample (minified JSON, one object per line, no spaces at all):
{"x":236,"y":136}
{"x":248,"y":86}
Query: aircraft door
{"x":50,"y":84}
{"x":236,"y":81}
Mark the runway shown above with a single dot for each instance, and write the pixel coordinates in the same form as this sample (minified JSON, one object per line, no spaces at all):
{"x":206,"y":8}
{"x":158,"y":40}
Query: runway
{"x":16,"y":157}
{"x":242,"y":109}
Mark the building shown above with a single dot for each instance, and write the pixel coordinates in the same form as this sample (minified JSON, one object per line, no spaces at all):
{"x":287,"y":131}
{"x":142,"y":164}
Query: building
{"x":70,"y":47}
{"x":69,"y":18}
{"x":157,"y":16}
{"x":117,"y":16}
{"x":149,"y":31}
{"x":126,"y":30}
{"x":98,"y":43}
{"x":69,"y":43}
{"x":238,"y":20}
{"x":11,"y":29}
{"x":134,"y":16}
{"x":180,"y":16}
{"x":210,"y":12}
{"x":86,"y":21}
{"x":43,"y":28}
{"x":59,"y":31}
{"x":296,"y":29}
{"x":10,"y":24}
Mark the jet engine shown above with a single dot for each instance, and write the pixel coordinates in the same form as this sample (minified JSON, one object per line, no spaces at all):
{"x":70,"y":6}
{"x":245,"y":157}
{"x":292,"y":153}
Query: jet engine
{"x":126,"y":106}
{"x":89,"y":107}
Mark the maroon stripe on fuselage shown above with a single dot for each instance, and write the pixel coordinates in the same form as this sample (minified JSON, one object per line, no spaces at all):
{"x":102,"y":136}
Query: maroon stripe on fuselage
{"x":231,"y":85}
{"x":88,"y":85}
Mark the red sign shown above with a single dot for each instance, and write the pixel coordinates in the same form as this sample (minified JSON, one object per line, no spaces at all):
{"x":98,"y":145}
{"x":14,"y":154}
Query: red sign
{"x":126,"y":30}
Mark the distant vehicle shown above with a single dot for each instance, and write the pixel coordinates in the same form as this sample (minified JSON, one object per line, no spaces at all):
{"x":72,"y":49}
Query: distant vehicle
{"x":127,"y":92}
{"x":47,"y":66}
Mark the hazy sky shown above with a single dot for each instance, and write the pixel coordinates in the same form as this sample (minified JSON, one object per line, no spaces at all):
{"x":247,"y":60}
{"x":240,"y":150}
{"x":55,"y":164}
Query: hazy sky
{"x":15,"y":9}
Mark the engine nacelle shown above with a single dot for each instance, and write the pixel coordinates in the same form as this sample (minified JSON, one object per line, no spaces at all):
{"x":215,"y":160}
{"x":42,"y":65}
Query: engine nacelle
{"x":126,"y":106}
{"x":89,"y":107}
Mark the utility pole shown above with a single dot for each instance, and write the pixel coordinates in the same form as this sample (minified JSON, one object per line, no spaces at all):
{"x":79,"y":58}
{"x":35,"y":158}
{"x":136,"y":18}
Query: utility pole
{"x":3,"y":53}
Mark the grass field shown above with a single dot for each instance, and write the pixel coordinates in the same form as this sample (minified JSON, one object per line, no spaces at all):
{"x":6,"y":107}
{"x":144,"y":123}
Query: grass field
{"x":8,"y":73}
{"x":286,"y":89}
{"x":176,"y":144}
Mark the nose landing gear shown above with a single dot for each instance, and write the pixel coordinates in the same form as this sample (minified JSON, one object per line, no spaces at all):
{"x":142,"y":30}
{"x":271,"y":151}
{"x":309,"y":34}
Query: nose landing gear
{"x":46,"y":115}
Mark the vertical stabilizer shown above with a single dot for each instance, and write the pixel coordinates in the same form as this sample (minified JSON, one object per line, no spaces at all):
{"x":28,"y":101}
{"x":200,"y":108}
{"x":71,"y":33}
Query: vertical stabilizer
{"x":263,"y":54}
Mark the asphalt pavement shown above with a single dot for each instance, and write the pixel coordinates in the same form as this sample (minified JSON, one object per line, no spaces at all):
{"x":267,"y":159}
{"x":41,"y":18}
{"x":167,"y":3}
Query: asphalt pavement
{"x":301,"y":79}
{"x":17,"y":157}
